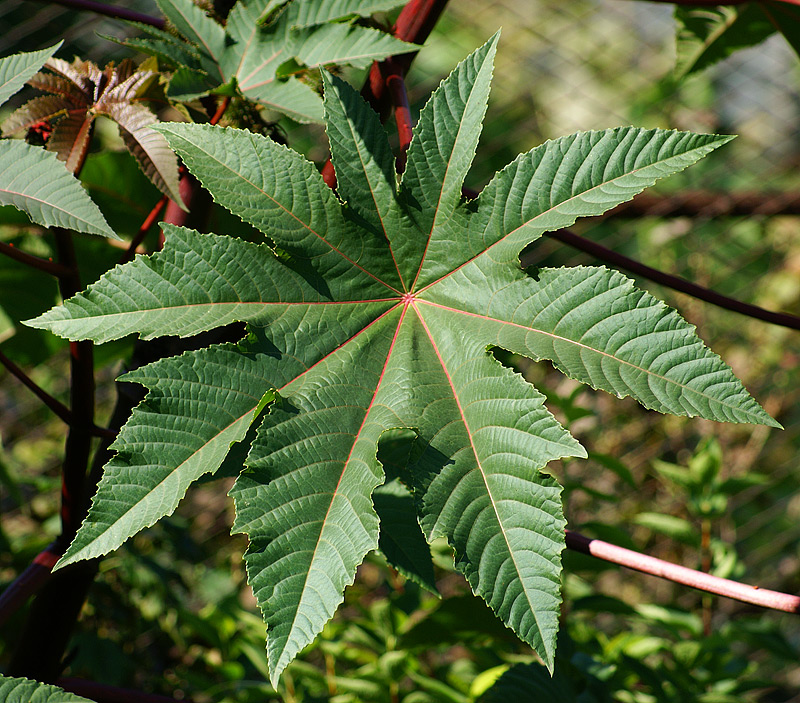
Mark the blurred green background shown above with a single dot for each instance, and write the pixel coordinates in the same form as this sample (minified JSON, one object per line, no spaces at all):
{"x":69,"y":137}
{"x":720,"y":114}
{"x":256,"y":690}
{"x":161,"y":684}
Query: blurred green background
{"x":171,"y":612}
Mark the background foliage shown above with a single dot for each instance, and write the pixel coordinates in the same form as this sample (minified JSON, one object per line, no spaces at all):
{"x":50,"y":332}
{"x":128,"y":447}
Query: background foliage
{"x":171,"y":611}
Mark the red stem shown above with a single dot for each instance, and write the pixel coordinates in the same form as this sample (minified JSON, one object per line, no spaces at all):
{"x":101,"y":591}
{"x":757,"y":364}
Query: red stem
{"x":120,"y":13}
{"x":220,"y":110}
{"x":396,"y":85}
{"x":51,"y":267}
{"x":414,"y":23}
{"x":682,"y":574}
{"x":28,"y":582}
{"x":149,"y":221}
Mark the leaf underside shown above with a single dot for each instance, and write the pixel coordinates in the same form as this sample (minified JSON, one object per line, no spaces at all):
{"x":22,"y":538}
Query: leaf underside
{"x":379,"y":314}
{"x":35,"y":181}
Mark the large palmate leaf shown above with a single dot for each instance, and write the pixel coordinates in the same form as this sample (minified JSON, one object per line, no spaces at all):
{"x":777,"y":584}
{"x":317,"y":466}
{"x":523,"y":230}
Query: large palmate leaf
{"x":377,"y":315}
{"x":250,"y":53}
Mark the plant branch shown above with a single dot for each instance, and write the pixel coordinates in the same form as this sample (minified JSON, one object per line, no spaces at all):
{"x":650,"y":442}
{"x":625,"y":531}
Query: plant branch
{"x":61,"y":410}
{"x":396,"y":85}
{"x":708,"y":203}
{"x":28,"y":582}
{"x":37,"y":262}
{"x":99,"y":8}
{"x":149,"y":221}
{"x":671,"y":281}
{"x":682,"y":574}
{"x":714,"y":3}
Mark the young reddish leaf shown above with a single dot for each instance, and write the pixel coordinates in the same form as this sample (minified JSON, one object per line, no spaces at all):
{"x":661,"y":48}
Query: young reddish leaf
{"x":149,"y":148}
{"x":70,"y":139}
{"x":45,"y":107}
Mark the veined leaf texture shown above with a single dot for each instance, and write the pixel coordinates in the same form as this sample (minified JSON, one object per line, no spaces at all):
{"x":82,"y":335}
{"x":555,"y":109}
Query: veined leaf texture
{"x":375,"y":309}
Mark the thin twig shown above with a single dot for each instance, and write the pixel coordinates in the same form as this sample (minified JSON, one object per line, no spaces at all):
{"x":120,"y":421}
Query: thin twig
{"x":709,"y":203}
{"x":675,"y":282}
{"x":28,"y":582}
{"x":61,"y":410}
{"x":716,"y":3}
{"x":682,"y":574}
{"x":149,"y":221}
{"x":37,"y":262}
{"x":99,"y":8}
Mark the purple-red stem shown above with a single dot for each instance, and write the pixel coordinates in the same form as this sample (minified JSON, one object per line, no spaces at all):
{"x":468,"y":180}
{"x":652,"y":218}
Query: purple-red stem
{"x":28,"y":582}
{"x":37,"y":262}
{"x":414,"y":23}
{"x":61,"y":410}
{"x":100,"y":8}
{"x":149,"y":221}
{"x":682,"y":574}
{"x":396,"y":85}
{"x":708,"y":203}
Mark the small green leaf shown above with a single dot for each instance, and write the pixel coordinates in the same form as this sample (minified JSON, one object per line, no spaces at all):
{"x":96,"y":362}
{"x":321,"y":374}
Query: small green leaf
{"x":708,"y":35}
{"x":37,"y":183}
{"x":669,"y":525}
{"x":310,"y":12}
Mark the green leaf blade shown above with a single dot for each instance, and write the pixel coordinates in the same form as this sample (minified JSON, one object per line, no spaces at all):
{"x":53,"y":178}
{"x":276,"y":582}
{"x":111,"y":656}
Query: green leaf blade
{"x":20,"y":690}
{"x":305,"y":13}
{"x":597,"y":328}
{"x":362,"y":158}
{"x":305,"y":501}
{"x":18,"y":68}
{"x":441,"y":152}
{"x":37,"y":183}
{"x":161,"y":450}
{"x":551,"y":186}
{"x":200,"y":30}
{"x":480,"y":483}
{"x":282,"y":194}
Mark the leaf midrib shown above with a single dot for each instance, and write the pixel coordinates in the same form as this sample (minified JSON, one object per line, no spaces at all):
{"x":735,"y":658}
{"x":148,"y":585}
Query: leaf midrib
{"x":552,"y":208}
{"x":554,"y":336}
{"x":346,"y":462}
{"x":532,"y":607}
{"x":280,"y":205}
